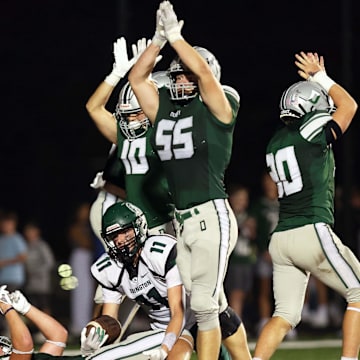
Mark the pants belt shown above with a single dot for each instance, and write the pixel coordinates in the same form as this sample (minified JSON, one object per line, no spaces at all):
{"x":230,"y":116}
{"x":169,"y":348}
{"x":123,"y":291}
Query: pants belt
{"x":181,"y":217}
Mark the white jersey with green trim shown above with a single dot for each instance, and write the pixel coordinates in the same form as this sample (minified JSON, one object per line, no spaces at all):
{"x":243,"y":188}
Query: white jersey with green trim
{"x":156,"y":272}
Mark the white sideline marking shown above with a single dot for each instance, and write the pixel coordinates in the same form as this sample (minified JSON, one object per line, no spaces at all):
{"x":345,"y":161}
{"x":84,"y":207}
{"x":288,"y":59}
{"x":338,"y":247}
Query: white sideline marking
{"x":305,"y":344}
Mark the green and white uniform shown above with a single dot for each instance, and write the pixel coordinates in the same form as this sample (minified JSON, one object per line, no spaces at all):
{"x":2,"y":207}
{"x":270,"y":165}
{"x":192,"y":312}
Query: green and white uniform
{"x":145,"y":182}
{"x":195,"y":149}
{"x":156,"y":272}
{"x":300,"y":160}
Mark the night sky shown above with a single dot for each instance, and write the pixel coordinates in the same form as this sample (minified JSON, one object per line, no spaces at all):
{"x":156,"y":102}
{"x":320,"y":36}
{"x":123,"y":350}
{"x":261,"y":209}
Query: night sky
{"x":55,"y":53}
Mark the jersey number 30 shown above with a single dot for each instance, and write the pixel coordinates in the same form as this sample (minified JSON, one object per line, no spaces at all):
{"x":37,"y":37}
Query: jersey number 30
{"x":285,"y":171}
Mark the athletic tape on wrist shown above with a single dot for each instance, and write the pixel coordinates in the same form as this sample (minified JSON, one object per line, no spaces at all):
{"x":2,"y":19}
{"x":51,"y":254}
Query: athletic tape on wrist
{"x":112,"y":79}
{"x":322,"y":79}
{"x":158,"y":41}
{"x":174,"y":37}
{"x":57,"y":343}
{"x":169,"y":340}
{"x":352,"y":308}
{"x":22,"y":352}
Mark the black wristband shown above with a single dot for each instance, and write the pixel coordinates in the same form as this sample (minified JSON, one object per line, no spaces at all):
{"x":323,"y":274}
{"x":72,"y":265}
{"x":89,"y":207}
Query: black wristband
{"x":7,"y":310}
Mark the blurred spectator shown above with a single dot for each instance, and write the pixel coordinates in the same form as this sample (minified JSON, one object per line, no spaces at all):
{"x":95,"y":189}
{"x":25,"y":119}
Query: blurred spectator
{"x":13,"y":252}
{"x":39,"y":264}
{"x":316,"y":309}
{"x":81,"y":239}
{"x":240,"y":274}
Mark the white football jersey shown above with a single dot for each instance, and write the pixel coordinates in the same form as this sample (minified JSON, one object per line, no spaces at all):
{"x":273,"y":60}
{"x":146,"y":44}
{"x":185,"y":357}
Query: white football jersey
{"x":157,"y":271}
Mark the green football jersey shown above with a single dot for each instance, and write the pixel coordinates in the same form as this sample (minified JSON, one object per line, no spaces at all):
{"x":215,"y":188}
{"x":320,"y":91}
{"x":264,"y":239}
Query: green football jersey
{"x":145,"y":182}
{"x":302,"y":164}
{"x":195,"y":149}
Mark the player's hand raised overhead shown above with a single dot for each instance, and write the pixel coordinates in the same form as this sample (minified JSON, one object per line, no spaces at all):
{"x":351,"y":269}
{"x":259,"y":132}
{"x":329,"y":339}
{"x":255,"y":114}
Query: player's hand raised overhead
{"x":172,"y":26}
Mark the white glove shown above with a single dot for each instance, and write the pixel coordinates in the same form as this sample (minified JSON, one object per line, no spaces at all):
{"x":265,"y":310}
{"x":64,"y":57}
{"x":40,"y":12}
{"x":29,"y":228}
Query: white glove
{"x":159,"y":38}
{"x":122,"y":62}
{"x":19,"y":302}
{"x":98,"y":181}
{"x":95,"y":339}
{"x":156,"y":354}
{"x":138,"y":49}
{"x":172,"y":26}
{"x":4,"y":296}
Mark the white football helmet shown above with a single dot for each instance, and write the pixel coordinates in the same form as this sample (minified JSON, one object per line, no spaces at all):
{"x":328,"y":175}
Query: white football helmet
{"x":128,"y":104}
{"x":161,"y":78}
{"x":186,"y":91}
{"x":304,"y":97}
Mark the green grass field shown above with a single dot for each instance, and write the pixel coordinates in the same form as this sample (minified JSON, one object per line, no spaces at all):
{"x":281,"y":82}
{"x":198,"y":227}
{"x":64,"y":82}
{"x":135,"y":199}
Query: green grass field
{"x":309,"y":349}
{"x":315,"y":349}
{"x":330,"y":353}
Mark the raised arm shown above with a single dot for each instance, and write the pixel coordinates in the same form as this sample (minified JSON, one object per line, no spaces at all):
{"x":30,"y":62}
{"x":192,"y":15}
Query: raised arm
{"x":139,"y":76}
{"x":312,"y":68}
{"x":55,"y":333}
{"x":21,"y":339}
{"x":210,"y":88}
{"x":96,"y":105}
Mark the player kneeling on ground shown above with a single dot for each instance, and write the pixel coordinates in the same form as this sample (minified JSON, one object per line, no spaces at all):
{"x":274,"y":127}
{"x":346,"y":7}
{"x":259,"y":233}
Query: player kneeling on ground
{"x":143,"y":268}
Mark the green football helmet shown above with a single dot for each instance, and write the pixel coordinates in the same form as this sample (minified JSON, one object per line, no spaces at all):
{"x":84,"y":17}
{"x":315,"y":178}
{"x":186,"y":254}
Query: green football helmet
{"x":302,"y":98}
{"x":117,"y":218}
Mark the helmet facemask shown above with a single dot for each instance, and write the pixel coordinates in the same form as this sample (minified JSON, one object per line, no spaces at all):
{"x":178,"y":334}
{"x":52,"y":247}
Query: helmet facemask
{"x":6,"y":347}
{"x":181,"y":91}
{"x":125,"y":112}
{"x":302,"y":98}
{"x":187,"y":91}
{"x":135,"y":128}
{"x":125,"y":251}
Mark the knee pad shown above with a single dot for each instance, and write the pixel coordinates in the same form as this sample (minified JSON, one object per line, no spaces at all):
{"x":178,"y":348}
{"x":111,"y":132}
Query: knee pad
{"x":229,"y":322}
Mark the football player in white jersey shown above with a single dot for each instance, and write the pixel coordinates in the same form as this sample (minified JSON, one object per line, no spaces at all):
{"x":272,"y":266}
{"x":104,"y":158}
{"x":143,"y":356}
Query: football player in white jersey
{"x":143,"y":268}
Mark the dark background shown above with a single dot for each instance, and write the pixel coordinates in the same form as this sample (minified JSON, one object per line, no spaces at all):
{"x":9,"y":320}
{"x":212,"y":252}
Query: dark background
{"x":55,"y":53}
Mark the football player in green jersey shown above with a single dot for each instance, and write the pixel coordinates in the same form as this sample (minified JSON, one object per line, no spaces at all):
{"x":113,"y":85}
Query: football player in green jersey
{"x":300,"y":160}
{"x":145,"y":183}
{"x":194,"y":119}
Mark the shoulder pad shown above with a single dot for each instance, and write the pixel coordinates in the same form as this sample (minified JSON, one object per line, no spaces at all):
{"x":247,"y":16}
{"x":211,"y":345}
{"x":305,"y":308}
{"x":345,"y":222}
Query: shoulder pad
{"x":106,"y":272}
{"x":314,"y":124}
{"x":157,"y":249}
